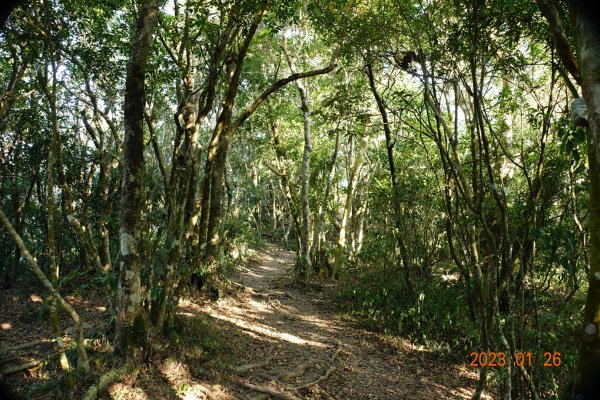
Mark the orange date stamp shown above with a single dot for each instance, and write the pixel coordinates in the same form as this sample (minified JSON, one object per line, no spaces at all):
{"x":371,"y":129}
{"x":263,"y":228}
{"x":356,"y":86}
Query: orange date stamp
{"x":520,"y":359}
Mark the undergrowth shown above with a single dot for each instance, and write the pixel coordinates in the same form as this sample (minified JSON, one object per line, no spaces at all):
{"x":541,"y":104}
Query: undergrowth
{"x":434,"y":315}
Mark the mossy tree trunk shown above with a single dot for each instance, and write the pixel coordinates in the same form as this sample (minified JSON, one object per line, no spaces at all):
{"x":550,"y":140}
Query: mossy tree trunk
{"x":586,"y":384}
{"x":131,"y":319}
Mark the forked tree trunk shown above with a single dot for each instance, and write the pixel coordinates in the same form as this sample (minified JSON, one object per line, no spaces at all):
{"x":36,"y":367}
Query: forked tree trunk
{"x":227,"y":127}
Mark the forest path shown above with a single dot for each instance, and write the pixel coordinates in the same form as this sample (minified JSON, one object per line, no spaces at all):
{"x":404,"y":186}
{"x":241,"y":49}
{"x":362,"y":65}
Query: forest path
{"x":281,"y":337}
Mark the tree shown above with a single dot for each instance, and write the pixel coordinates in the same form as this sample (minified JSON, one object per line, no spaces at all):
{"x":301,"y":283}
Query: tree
{"x":586,"y":385}
{"x":132,"y":323}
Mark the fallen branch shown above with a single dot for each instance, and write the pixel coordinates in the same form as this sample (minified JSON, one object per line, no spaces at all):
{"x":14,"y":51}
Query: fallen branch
{"x":27,"y":365}
{"x":327,"y":373}
{"x":104,"y":381}
{"x":266,"y":390}
{"x":299,"y":371}
{"x":320,"y":379}
{"x":83,"y":362}
{"x":336,"y":353}
{"x":8,"y":357}
{"x":261,"y":295}
{"x":13,"y":350}
{"x":247,"y":367}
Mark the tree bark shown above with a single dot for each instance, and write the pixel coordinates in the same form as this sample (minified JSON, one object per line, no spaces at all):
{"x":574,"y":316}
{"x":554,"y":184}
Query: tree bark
{"x":586,"y":384}
{"x":82,"y":360}
{"x":305,"y":260}
{"x":392,"y":168}
{"x":285,"y":184}
{"x":352,"y":179}
{"x":51,"y":207}
{"x":323,"y":206}
{"x":561,"y":42}
{"x":131,"y":319}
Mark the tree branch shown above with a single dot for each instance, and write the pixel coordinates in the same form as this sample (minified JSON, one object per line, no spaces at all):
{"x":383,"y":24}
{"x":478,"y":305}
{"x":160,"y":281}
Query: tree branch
{"x":563,"y":48}
{"x":275,"y":87}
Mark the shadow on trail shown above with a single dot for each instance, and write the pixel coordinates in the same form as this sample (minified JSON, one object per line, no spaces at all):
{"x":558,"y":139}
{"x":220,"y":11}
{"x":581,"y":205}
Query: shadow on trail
{"x":280,"y":337}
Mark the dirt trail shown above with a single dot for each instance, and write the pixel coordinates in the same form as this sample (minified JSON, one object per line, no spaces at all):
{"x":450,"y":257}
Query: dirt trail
{"x":272,"y":336}
{"x":283,"y":337}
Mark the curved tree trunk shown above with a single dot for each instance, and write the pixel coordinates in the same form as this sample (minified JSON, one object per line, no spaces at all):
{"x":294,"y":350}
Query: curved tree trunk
{"x":82,"y":360}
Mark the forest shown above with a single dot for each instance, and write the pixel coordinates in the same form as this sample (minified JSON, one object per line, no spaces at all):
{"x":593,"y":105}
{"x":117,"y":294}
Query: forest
{"x":299,"y":199}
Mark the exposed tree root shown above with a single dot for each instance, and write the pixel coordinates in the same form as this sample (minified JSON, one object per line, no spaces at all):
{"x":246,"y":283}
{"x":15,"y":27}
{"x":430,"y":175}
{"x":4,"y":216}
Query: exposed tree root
{"x":261,"y":295}
{"x":265,"y":389}
{"x":104,"y":381}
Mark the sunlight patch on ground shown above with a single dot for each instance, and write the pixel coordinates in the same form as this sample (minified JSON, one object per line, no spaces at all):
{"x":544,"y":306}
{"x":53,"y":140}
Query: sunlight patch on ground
{"x":465,"y":393}
{"x":321,"y":323}
{"x":121,"y":391}
{"x":252,"y":274}
{"x":251,"y":334}
{"x":186,"y":388}
{"x":259,"y":305}
{"x":268,"y":268}
{"x":35,"y":298}
{"x":266,"y":331}
{"x":264,"y":257}
{"x":186,"y":314}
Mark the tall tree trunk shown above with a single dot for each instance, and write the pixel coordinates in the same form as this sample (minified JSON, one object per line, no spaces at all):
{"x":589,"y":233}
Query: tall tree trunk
{"x":392,"y":168}
{"x":304,"y":177}
{"x":131,"y":319}
{"x":341,"y":244}
{"x":586,"y":384}
{"x":285,"y":186}
{"x":16,"y":201}
{"x":323,"y":206}
{"x":305,"y":260}
{"x":51,"y":207}
{"x":182,"y":193}
{"x":104,"y":215}
{"x":219,"y":147}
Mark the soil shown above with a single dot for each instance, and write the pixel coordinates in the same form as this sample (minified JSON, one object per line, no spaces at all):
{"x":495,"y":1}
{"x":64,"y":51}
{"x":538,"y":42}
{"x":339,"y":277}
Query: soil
{"x":277,"y":339}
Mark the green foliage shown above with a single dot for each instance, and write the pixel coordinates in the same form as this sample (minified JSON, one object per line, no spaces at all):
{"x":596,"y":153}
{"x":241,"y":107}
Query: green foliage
{"x":197,"y":336}
{"x":381,"y":299}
